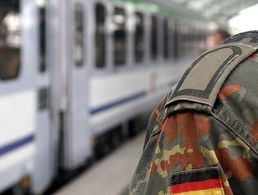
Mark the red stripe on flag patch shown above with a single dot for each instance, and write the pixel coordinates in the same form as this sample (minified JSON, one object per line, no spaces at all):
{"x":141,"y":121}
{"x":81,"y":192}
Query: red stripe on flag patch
{"x":195,"y":186}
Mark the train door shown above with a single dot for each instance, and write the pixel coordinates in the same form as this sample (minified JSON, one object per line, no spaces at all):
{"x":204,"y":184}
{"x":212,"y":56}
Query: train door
{"x":44,"y":164}
{"x":76,"y":135}
{"x":17,"y":90}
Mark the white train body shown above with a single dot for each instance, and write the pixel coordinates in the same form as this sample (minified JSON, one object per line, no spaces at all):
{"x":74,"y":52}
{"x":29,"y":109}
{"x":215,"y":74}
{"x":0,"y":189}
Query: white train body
{"x":69,"y":87}
{"x":120,"y":96}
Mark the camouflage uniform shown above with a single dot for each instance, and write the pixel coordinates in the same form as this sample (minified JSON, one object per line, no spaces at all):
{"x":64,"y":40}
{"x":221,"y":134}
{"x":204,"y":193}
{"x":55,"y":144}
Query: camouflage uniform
{"x":198,"y":144}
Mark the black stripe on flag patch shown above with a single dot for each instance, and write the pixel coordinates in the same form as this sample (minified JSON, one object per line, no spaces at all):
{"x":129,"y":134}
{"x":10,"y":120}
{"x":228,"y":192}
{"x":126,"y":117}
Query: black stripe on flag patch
{"x":195,"y":175}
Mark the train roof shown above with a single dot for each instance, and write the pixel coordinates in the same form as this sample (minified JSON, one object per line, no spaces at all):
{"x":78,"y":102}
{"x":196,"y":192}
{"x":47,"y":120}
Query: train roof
{"x":219,"y":11}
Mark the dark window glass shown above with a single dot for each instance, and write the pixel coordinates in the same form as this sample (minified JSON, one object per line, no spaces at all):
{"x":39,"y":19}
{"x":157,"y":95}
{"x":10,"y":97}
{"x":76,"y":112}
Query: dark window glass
{"x":78,"y":35}
{"x":43,"y":98}
{"x":165,"y":38}
{"x":181,"y":41}
{"x":171,"y":35}
{"x":42,"y":36}
{"x":154,"y":37}
{"x":10,"y":39}
{"x":139,"y":37}
{"x":184,"y":41}
{"x":176,"y":40}
{"x":100,"y":36}
{"x":119,"y":36}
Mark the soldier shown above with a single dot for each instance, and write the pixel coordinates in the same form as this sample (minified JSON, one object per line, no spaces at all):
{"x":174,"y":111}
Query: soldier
{"x":217,"y":37}
{"x":203,"y":136}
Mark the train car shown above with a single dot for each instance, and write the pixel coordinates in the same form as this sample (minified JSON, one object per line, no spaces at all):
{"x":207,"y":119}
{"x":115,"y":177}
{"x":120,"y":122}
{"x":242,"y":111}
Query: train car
{"x":18,"y":91}
{"x":73,"y":72}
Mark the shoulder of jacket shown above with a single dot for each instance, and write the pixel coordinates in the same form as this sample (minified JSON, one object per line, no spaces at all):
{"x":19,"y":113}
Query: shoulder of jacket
{"x":202,"y":81}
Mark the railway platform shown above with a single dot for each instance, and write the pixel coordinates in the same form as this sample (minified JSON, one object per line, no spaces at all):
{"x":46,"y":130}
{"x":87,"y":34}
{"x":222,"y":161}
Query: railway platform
{"x":111,"y":175}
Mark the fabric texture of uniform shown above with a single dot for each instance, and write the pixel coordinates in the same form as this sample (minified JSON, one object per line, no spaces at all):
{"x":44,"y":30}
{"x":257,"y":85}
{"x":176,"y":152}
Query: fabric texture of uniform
{"x":194,"y":148}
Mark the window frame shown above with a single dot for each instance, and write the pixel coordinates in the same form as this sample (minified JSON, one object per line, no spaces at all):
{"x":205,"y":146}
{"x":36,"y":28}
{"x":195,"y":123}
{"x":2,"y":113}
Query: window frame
{"x":82,"y":61}
{"x":154,"y":53}
{"x":19,"y":64}
{"x":124,"y":64}
{"x":141,"y":59}
{"x":105,"y":35}
{"x":42,"y":39}
{"x":165,"y":37}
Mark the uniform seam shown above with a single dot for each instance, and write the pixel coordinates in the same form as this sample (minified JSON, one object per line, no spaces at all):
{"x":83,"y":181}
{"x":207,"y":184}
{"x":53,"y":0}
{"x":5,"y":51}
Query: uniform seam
{"x":155,"y":134}
{"x":195,"y":170}
{"x":234,"y":133}
{"x":159,"y":124}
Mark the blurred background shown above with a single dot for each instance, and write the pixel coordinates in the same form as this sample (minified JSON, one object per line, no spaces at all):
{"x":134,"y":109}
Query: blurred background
{"x":79,"y":79}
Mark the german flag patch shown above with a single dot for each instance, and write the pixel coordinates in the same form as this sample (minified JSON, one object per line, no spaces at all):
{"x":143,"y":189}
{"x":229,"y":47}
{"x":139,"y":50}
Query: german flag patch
{"x":198,"y":182}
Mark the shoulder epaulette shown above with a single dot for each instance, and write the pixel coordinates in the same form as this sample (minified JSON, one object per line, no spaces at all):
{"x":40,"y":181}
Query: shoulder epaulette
{"x":249,"y":37}
{"x":204,"y":78}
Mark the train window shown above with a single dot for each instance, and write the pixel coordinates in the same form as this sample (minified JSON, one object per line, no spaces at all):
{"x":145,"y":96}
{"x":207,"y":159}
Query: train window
{"x":171,"y":39}
{"x":119,"y":36}
{"x":176,"y":40}
{"x":154,"y":37}
{"x":42,"y":39}
{"x":165,"y":38}
{"x":139,"y":37}
{"x":10,"y":40}
{"x":43,"y":98}
{"x":100,"y":36}
{"x":78,"y":35}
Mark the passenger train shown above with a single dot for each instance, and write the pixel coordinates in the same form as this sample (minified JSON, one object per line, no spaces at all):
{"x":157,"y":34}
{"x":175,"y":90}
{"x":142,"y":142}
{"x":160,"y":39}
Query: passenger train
{"x":73,"y":71}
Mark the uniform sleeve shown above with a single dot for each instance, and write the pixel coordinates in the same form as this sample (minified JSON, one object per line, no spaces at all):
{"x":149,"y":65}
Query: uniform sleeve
{"x":218,"y":150}
{"x":237,"y":109}
{"x":194,"y":147}
{"x":155,"y":120}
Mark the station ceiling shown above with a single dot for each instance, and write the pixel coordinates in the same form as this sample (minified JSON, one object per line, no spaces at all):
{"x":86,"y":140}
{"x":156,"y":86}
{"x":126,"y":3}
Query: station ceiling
{"x":219,"y":11}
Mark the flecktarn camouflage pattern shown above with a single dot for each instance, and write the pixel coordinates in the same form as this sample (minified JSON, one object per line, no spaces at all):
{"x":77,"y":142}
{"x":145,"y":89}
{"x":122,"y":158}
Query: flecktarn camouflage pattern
{"x":206,"y":143}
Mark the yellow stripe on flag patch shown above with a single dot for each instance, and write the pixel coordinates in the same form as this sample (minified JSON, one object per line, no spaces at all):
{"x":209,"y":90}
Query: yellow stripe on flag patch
{"x":214,"y":191}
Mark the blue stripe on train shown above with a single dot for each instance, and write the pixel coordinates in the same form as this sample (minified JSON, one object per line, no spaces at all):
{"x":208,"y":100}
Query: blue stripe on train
{"x":127,"y":99}
{"x":119,"y":102}
{"x":17,"y":144}
{"x":22,"y":142}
